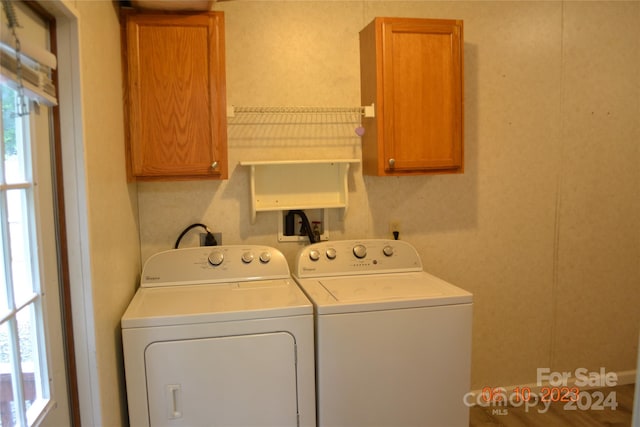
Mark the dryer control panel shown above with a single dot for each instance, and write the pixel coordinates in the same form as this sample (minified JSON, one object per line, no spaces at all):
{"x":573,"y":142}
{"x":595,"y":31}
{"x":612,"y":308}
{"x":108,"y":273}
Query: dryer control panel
{"x":348,"y":257}
{"x":214,"y":264}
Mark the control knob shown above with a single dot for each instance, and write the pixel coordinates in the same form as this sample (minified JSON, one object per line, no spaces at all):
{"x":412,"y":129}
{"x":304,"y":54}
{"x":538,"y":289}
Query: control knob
{"x":216,"y":258}
{"x":360,"y":251}
{"x":247,"y":257}
{"x":314,"y":255}
{"x":388,"y":250}
{"x":265,"y":257}
{"x":331,"y":253}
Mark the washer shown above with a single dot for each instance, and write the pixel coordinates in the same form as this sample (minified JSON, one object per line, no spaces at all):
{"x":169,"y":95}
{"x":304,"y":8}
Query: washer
{"x":393,"y":343}
{"x":219,"y":337}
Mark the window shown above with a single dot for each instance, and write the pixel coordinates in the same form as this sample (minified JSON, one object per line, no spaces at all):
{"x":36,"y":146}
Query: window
{"x":24,"y":389}
{"x":33,"y":373}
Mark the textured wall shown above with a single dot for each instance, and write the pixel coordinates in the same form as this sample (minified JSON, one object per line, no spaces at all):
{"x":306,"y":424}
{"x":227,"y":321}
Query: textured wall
{"x":544,"y":225}
{"x":112,"y":202}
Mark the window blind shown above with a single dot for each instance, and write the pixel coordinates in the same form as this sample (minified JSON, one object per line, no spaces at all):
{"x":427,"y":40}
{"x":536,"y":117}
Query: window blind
{"x":31,"y":67}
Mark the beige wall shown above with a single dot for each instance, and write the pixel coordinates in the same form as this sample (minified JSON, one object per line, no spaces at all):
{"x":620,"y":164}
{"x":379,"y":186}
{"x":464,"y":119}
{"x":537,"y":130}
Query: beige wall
{"x":112,"y":203}
{"x":543,"y":227}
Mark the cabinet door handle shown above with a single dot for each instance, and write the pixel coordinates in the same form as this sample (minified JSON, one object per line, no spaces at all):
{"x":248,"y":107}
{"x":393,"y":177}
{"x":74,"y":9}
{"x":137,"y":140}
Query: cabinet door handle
{"x":214,"y":165}
{"x":392,"y":163}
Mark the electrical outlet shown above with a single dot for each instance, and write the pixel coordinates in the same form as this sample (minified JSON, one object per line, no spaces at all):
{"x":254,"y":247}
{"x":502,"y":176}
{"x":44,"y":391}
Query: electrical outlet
{"x":217,"y":236}
{"x":394,"y":228}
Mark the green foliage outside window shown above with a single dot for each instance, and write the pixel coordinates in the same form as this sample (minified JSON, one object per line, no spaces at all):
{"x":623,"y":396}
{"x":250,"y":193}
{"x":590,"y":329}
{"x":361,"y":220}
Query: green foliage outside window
{"x":8,"y":120}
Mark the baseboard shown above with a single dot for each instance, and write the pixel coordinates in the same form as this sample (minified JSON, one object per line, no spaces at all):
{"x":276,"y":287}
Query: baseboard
{"x":627,"y":377}
{"x":595,"y":380}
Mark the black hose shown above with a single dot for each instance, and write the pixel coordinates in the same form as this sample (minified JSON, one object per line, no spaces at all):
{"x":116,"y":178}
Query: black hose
{"x":306,"y":226}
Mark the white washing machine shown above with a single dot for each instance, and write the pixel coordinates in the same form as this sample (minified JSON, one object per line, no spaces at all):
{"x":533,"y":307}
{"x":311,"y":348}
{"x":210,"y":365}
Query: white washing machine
{"x":393,"y":343}
{"x":219,"y":337}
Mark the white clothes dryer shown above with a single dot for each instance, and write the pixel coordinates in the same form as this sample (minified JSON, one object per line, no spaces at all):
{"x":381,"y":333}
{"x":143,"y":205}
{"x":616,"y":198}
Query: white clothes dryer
{"x":219,"y":336}
{"x":393,"y":343}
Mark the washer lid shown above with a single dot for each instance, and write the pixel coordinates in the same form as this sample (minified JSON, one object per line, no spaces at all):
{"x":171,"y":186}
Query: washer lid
{"x":180,"y":305}
{"x":348,"y":294}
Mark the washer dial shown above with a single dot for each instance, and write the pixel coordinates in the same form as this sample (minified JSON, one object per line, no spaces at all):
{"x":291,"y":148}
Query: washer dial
{"x":360,"y":251}
{"x":314,"y":255}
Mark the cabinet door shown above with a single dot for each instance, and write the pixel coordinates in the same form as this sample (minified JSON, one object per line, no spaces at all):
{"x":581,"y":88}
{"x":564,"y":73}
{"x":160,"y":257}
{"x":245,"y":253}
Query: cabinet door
{"x":176,"y":95}
{"x":418,"y":95}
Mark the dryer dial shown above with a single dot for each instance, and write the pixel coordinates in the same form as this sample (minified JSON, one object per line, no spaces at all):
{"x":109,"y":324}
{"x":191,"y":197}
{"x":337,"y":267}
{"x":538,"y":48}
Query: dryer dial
{"x":216,"y":258}
{"x":247,"y":257}
{"x":265,"y":257}
{"x":388,"y":250}
{"x":331,"y":253}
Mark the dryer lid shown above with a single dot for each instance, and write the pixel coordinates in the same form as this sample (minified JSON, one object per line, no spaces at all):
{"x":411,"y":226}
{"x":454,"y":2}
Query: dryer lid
{"x":348,"y":294}
{"x":191,"y":304}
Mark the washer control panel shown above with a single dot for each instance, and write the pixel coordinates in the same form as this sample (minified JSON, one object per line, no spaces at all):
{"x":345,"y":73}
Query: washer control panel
{"x":217,"y":264}
{"x":346,"y":257}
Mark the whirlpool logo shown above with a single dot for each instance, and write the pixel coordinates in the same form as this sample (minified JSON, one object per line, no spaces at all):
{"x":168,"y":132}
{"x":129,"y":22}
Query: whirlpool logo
{"x":151,"y":278}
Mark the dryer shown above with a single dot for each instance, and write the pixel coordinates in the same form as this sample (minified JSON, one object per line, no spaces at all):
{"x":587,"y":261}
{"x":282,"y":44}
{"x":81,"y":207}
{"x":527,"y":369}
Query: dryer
{"x":393,"y":343}
{"x":219,"y":337}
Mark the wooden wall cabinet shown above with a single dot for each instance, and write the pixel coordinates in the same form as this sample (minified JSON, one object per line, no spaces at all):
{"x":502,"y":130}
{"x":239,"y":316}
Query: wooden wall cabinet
{"x":412,"y":69}
{"x":175,"y":98}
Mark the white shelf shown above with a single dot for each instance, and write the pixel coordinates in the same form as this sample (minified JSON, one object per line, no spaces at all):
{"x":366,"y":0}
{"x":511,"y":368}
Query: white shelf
{"x":298,"y":184}
{"x":256,"y":112}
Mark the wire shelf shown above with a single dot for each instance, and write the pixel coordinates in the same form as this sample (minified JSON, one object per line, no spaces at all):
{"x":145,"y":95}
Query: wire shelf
{"x":297,"y":115}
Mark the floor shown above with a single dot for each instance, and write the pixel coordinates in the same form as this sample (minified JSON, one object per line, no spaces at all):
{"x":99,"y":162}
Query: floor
{"x":595,"y":408}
